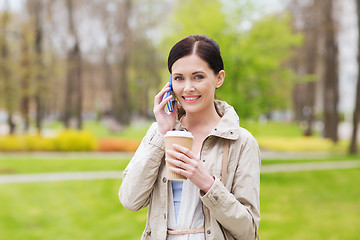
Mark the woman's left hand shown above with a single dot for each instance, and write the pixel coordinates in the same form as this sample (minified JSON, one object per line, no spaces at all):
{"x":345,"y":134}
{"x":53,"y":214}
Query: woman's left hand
{"x":190,"y":167}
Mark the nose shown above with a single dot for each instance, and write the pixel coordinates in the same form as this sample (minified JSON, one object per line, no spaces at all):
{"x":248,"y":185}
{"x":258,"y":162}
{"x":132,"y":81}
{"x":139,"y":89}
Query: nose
{"x":189,"y":87}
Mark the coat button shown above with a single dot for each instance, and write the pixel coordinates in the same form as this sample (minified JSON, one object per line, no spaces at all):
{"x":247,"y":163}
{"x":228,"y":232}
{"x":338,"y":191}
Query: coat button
{"x":164,"y":215}
{"x":231,"y":133}
{"x":164,"y":179}
{"x":208,"y":232}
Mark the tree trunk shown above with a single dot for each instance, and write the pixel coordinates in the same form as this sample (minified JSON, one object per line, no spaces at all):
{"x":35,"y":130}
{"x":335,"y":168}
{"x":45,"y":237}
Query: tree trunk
{"x":5,"y":72}
{"x":331,"y":82}
{"x":353,"y":146}
{"x":25,"y":84}
{"x":73,"y":95}
{"x":310,"y":64}
{"x":35,"y":9}
{"x":121,"y":97}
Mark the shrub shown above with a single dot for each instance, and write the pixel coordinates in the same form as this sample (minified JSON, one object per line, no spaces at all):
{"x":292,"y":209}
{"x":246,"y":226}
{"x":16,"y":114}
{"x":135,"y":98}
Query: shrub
{"x":301,"y":144}
{"x":69,"y":140}
{"x":12,"y":143}
{"x":117,"y":144}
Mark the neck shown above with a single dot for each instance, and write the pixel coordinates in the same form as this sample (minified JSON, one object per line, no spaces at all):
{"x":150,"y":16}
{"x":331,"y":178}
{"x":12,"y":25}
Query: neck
{"x":201,"y":121}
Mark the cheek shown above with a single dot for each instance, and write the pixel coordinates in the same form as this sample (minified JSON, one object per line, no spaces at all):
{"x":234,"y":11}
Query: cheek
{"x":176,"y":90}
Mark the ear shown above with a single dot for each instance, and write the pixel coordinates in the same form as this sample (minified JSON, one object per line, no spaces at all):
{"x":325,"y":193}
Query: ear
{"x":220,"y":78}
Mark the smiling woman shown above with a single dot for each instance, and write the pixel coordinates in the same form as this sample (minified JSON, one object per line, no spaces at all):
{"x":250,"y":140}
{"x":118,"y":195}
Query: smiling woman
{"x":202,"y":206}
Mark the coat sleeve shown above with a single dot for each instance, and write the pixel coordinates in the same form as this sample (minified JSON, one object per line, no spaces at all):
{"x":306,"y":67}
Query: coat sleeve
{"x":238,"y":211}
{"x":141,"y":173}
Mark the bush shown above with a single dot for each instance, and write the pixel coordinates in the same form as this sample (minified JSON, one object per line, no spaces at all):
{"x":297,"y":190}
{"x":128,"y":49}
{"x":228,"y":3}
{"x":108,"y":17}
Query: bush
{"x":301,"y":144}
{"x":69,"y":140}
{"x":117,"y":144}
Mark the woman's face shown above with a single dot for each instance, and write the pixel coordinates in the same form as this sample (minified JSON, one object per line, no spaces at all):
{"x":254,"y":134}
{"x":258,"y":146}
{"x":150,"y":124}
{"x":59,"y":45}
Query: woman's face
{"x":194,"y":83}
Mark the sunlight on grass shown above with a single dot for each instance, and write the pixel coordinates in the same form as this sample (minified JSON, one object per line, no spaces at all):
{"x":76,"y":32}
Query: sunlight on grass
{"x":67,"y":210}
{"x":297,"y":206}
{"x":301,"y":144}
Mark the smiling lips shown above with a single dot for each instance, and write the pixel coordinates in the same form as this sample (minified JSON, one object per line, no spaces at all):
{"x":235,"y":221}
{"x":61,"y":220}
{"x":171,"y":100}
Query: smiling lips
{"x":190,"y":99}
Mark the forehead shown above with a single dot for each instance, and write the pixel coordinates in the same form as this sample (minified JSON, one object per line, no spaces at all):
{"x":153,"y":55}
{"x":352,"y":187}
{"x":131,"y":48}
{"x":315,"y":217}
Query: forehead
{"x":190,"y":63}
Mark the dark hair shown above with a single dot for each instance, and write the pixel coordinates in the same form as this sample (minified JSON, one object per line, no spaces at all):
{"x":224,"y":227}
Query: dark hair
{"x":206,"y":48}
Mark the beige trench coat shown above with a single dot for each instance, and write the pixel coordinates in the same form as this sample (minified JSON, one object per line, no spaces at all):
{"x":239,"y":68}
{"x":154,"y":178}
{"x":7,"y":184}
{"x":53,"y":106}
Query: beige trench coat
{"x":234,"y":206}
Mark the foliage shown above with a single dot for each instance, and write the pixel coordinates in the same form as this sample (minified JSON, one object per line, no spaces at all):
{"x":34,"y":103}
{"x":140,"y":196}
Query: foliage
{"x":117,"y":145}
{"x":301,"y":144}
{"x":71,"y":140}
{"x":257,"y":81}
{"x":68,"y":140}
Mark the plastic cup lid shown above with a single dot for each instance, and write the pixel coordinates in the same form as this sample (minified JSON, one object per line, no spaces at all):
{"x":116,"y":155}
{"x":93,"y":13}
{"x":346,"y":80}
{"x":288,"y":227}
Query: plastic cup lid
{"x":178,"y":134}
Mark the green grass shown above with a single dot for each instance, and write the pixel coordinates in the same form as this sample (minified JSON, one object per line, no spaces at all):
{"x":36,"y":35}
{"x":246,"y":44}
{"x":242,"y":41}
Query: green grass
{"x":310,"y":205}
{"x":297,"y":206}
{"x":133,"y":131}
{"x":16,"y":163}
{"x":41,"y":163}
{"x":306,"y":160}
{"x":67,"y":210}
{"x":272,"y":129}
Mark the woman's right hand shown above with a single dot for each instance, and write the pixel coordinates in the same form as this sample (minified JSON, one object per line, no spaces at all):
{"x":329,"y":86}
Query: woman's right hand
{"x":165,"y":121}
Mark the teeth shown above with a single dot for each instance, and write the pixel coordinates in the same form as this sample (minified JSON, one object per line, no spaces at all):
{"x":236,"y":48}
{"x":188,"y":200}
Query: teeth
{"x":191,"y":98}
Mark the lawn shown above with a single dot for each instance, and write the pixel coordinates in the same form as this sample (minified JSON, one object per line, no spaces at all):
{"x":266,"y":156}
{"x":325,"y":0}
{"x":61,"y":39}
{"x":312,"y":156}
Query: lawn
{"x":301,"y":205}
{"x":311,"y":205}
{"x":68,"y":210}
{"x":42,"y":163}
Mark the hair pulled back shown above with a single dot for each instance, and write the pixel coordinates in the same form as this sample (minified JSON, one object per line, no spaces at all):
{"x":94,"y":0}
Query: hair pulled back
{"x":204,"y":47}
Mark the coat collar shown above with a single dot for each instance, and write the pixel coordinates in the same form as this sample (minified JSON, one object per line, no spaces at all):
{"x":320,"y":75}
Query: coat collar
{"x":228,"y":126}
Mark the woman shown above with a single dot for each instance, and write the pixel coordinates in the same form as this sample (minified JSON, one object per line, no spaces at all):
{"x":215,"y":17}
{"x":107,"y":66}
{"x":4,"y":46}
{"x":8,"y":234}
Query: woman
{"x":203,"y":206}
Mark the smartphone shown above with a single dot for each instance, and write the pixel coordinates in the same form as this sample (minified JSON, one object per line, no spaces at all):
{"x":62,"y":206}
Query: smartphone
{"x":170,"y":104}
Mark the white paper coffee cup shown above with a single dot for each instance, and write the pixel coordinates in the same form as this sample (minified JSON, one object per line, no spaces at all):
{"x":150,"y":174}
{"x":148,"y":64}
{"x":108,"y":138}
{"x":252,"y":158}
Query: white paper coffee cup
{"x":182,"y":138}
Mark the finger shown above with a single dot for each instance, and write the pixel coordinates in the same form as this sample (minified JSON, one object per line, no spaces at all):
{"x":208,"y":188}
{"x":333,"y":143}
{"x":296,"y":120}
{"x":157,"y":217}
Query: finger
{"x":164,"y":89}
{"x":179,"y":156}
{"x":182,"y":168}
{"x":161,"y":105}
{"x":177,"y":163}
{"x":184,"y":150}
{"x":159,"y":97}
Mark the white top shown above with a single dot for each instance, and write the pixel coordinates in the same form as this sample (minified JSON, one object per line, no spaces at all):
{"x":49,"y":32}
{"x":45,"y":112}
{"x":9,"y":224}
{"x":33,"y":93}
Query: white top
{"x":190,"y":214}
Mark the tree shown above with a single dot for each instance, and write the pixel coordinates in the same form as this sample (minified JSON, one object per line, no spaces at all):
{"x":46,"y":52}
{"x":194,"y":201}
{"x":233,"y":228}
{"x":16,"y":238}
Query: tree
{"x":73,"y":98}
{"x":256,"y":81}
{"x":331,"y":79}
{"x":121,"y":98}
{"x":353,"y":145}
{"x":306,"y":19}
{"x":26,"y":64}
{"x":259,"y":81}
{"x":36,"y":11}
{"x":8,"y":84}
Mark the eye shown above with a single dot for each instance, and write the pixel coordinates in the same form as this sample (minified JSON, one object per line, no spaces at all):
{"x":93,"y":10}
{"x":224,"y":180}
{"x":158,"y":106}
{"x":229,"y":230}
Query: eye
{"x":178,"y":78}
{"x":198,"y":77}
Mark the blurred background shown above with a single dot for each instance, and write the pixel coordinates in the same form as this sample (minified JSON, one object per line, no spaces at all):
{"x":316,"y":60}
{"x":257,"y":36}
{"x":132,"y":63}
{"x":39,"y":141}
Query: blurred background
{"x":77,"y":83}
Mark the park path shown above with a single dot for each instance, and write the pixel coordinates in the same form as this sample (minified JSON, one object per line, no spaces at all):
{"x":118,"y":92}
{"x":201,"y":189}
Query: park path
{"x":67,"y":176}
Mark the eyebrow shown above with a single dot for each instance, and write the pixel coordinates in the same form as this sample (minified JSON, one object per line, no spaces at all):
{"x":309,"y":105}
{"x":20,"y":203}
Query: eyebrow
{"x":194,"y":73}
